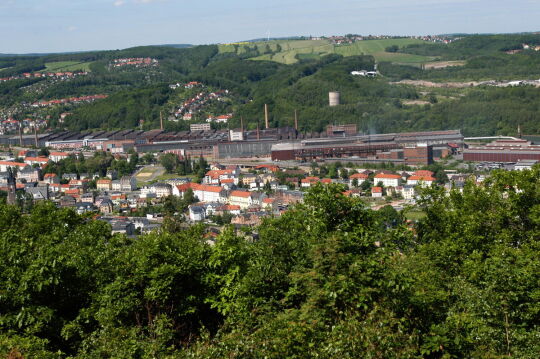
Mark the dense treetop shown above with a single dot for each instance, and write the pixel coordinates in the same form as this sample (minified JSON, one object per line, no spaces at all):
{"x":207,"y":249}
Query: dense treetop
{"x":330,"y":278}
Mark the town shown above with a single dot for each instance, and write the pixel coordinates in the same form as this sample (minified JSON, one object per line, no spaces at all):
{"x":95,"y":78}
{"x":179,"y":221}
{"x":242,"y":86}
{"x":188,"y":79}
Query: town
{"x":133,"y":179}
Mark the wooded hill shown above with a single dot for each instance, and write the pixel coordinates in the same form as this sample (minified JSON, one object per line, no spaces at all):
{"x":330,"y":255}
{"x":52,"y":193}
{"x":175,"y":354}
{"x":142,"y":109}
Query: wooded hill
{"x":375,"y":105}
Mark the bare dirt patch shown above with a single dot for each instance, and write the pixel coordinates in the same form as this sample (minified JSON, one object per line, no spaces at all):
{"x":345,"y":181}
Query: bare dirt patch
{"x":442,"y":64}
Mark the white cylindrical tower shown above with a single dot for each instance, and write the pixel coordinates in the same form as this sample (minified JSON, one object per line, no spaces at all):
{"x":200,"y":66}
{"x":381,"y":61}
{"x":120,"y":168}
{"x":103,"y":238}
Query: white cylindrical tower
{"x":333,"y":98}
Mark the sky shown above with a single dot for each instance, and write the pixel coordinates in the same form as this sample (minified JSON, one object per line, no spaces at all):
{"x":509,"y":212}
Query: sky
{"x":33,"y":26}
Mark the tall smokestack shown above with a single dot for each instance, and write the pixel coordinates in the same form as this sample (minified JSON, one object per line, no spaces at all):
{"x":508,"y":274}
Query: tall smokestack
{"x":161,"y":120}
{"x":295,"y":120}
{"x":266,"y":116}
{"x":258,"y":132}
{"x":20,"y":133}
{"x":35,"y":134}
{"x":242,"y":124}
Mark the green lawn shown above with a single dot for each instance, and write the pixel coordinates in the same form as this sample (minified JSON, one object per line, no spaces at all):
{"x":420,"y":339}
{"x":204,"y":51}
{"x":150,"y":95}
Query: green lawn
{"x":291,"y":50}
{"x":61,"y":66}
{"x":414,"y":215}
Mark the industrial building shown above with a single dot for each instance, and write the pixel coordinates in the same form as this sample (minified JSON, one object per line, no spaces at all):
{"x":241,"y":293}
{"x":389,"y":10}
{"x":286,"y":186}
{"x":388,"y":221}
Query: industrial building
{"x":285,"y":143}
{"x":509,"y":151}
{"x":410,"y":148}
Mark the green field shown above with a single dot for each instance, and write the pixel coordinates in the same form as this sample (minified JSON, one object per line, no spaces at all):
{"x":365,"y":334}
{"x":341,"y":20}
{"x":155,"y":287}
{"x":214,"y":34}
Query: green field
{"x":292,"y":50}
{"x":61,"y":66}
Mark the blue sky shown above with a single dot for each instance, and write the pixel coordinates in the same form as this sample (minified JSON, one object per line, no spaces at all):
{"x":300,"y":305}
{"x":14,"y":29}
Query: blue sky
{"x":73,"y":25}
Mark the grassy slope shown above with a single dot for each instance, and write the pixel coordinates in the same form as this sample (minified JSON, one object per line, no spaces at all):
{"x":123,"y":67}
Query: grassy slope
{"x":66,"y":66}
{"x":291,"y":49}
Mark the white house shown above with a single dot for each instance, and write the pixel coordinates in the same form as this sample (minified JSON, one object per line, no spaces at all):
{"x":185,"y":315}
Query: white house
{"x":422,"y":181}
{"x":241,"y":198}
{"x":360,"y":178}
{"x":387,"y":180}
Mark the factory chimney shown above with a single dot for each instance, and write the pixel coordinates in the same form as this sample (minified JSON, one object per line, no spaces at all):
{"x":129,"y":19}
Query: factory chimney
{"x":20,"y":133}
{"x":258,"y":132}
{"x":242,"y":124}
{"x":266,"y":116}
{"x":161,"y":120}
{"x":295,"y":120}
{"x":35,"y":134}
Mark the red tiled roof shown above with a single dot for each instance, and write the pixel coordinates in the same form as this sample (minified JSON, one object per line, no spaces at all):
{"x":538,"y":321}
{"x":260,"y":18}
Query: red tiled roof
{"x":376,"y":189}
{"x":243,"y":194}
{"x":12,"y":164}
{"x":389,"y":176}
{"x":37,"y":159}
{"x":422,"y":178}
{"x":425,"y":173}
{"x":359,"y":176}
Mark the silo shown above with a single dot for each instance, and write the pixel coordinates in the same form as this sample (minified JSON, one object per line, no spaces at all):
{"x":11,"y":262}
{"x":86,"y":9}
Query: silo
{"x":334,"y":98}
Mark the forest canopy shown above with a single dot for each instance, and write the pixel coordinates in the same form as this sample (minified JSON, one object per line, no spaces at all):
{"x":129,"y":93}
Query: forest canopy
{"x":328,"y":279}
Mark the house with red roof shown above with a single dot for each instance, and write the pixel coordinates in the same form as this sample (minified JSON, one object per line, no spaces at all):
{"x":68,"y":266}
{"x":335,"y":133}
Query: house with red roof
{"x":360,"y":178}
{"x":376,"y":192}
{"x":51,"y":178}
{"x":4,"y":165}
{"x":423,"y":181}
{"x":309,"y":181}
{"x":57,"y":156}
{"x":241,"y":198}
{"x":36,"y":160}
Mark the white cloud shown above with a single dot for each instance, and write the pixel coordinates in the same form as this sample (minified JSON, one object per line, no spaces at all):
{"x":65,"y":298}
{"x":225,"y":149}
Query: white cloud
{"x":119,"y":2}
{"x":72,"y":28}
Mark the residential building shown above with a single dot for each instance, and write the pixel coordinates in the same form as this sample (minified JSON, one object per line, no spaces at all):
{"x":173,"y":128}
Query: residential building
{"x":196,"y":213}
{"x":58,"y":156}
{"x":115,"y":185}
{"x":376,"y":192}
{"x":387,"y":180}
{"x":128,"y":183}
{"x":38,"y":193}
{"x":360,"y":178}
{"x":4,"y":165}
{"x":243,"y":199}
{"x":36,"y":160}
{"x":104,"y":184}
{"x":51,"y":178}
{"x":29,"y":174}
{"x":423,"y":181}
